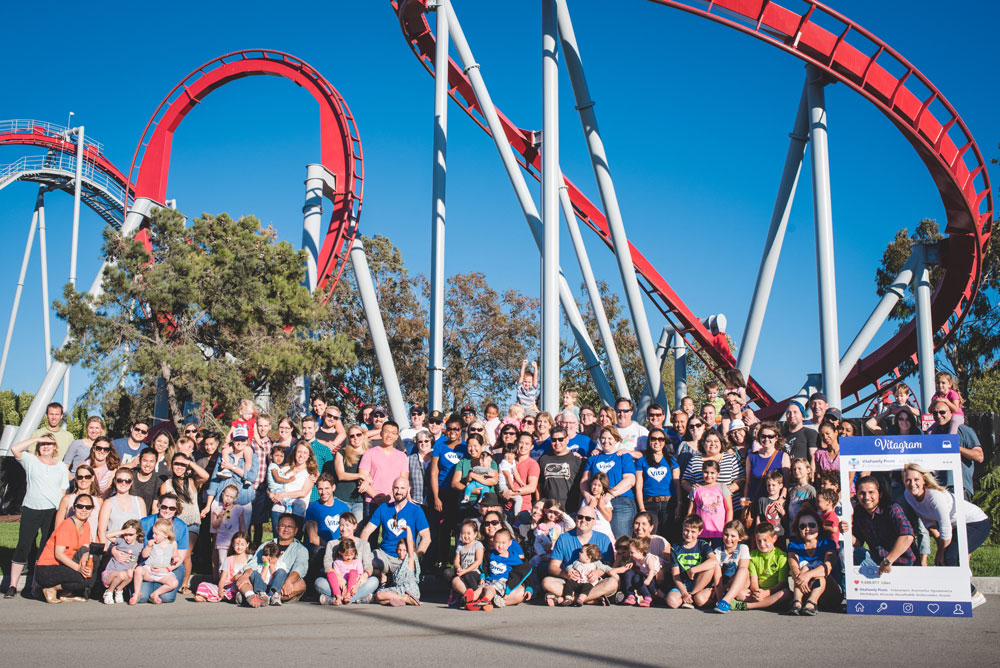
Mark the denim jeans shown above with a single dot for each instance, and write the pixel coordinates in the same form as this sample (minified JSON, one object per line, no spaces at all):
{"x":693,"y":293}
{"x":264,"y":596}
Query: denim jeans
{"x":261,"y":587}
{"x":623,"y":511}
{"x":365,"y":589}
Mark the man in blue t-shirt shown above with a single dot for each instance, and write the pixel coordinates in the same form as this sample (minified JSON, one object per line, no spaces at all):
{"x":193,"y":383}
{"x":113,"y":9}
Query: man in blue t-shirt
{"x":567,"y":550}
{"x":128,"y":448}
{"x":322,"y":523}
{"x":394,"y":519}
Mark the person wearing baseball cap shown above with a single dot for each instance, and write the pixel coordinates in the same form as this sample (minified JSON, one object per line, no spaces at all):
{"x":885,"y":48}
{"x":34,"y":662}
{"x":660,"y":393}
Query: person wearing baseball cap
{"x":435,"y":425}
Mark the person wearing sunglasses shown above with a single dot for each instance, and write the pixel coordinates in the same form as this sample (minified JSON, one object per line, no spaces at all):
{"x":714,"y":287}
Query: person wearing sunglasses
{"x":83,"y":482}
{"x":79,"y":450}
{"x":65,"y":564}
{"x":408,"y":435}
{"x":46,"y":480}
{"x":633,"y":434}
{"x":812,"y":556}
{"x":124,"y":504}
{"x":518,"y":588}
{"x":968,"y":445}
{"x":169,"y":507}
{"x":129,"y":447}
{"x":567,"y":550}
{"x":331,"y":432}
{"x":104,"y":460}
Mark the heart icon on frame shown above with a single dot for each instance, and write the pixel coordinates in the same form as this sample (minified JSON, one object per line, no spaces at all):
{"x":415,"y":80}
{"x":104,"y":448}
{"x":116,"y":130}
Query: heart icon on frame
{"x":933,"y":608}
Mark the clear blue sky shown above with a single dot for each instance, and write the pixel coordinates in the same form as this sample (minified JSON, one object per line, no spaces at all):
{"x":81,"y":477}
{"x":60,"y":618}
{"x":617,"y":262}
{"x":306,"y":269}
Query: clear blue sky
{"x":695,"y":118}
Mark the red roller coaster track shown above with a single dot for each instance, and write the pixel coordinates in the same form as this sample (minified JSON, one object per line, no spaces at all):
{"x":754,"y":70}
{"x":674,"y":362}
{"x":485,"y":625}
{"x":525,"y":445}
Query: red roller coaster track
{"x":930,"y":124}
{"x":340,"y":142}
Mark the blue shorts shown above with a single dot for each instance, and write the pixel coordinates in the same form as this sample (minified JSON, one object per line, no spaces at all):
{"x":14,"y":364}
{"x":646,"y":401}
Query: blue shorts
{"x":688,"y":585}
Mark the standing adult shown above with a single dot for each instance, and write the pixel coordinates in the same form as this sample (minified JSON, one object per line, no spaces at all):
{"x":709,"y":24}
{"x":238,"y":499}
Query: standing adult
{"x":817,"y":408}
{"x":79,"y":450}
{"x":800,"y":441}
{"x":322,"y":454}
{"x":46,"y":480}
{"x":104,"y":460}
{"x":827,"y":458}
{"x":713,"y":447}
{"x":567,"y":550}
{"x":657,"y":480}
{"x":54,"y":427}
{"x":185,"y":479}
{"x":300,"y":465}
{"x":287,"y":434}
{"x":968,"y":446}
{"x":529,"y":471}
{"x":129,"y":447}
{"x":939,"y":509}
{"x":543,"y":430}
{"x":319,"y":406}
{"x":689,"y":447}
{"x":293,"y":558}
{"x":383,"y":464}
{"x":770,"y":457}
{"x":164,"y":447}
{"x":63,"y":564}
{"x":124,"y":505}
{"x":419,"y":463}
{"x":444,"y":458}
{"x":559,"y":470}
{"x":619,"y":465}
{"x":678,"y":428}
{"x":588,"y":422}
{"x":633,"y":434}
{"x":347,"y":475}
{"x":472,"y":470}
{"x":408,"y":436}
{"x":575,"y":442}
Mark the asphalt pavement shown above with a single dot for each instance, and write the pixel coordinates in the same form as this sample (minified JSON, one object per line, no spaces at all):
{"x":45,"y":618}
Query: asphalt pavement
{"x":209,"y":635}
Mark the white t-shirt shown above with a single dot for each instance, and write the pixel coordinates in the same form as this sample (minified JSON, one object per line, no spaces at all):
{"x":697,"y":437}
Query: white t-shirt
{"x":731,"y":562}
{"x":633,"y":437}
{"x":229,"y":526}
{"x":408,"y":435}
{"x":939,"y":508}
{"x":45,"y":484}
{"x":296,"y":506}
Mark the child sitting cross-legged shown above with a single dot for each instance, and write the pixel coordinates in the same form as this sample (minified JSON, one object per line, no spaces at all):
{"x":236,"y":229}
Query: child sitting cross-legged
{"x":693,"y":567}
{"x":732,"y":576}
{"x":575,"y":592}
{"x":640,"y":579}
{"x":812,"y":557}
{"x":768,"y":571}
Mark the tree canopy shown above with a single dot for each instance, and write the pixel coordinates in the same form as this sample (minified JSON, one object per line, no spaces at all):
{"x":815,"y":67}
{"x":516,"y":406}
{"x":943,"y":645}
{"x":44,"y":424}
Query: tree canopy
{"x":216,"y":312}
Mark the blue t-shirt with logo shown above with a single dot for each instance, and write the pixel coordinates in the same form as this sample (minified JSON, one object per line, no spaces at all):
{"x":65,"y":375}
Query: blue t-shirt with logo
{"x":616,"y":466}
{"x":393,"y":524}
{"x":498,"y":567}
{"x":657,"y":479}
{"x":448,"y":458}
{"x":327,"y":518}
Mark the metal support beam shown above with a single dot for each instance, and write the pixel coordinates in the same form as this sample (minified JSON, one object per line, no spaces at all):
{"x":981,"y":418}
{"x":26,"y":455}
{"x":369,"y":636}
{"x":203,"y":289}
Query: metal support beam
{"x":44,"y":258}
{"x":76,"y":206}
{"x":603,"y":328}
{"x":369,"y":300}
{"x":923,"y":259}
{"x":435,"y":362}
{"x":20,"y":285}
{"x":885,"y":305}
{"x":33,"y":417}
{"x":312,"y":221}
{"x":775,"y":237}
{"x":680,"y":368}
{"x":525,"y":200}
{"x":823,"y":214}
{"x":609,"y":198}
{"x":551,"y":180}
{"x":646,"y":398}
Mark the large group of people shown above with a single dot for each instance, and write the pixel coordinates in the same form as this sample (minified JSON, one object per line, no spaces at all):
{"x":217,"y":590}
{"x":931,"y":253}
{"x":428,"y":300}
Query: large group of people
{"x":708,"y":507}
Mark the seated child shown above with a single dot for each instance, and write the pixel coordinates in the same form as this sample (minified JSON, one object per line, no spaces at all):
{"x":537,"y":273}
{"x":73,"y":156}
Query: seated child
{"x":405,"y":589}
{"x":268,"y":578}
{"x":768,"y":571}
{"x":693,"y":567}
{"x":345,"y":576}
{"x":234,"y":563}
{"x":125,"y":551}
{"x":468,"y":559}
{"x":501,"y":561}
{"x":733,"y":573}
{"x":161,"y":555}
{"x":640,"y":579}
{"x":547,"y":532}
{"x":575,"y":592}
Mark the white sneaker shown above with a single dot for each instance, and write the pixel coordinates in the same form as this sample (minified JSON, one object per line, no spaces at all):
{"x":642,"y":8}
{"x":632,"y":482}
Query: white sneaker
{"x":120,"y":596}
{"x":687,"y":606}
{"x":109,"y":597}
{"x":276,"y":598}
{"x":325,"y":600}
{"x":978,"y":599}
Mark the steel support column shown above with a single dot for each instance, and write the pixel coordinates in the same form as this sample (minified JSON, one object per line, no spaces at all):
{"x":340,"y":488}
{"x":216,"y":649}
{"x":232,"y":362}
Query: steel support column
{"x":435,"y":362}
{"x":646,"y":399}
{"x":596,"y":302}
{"x":775,"y":237}
{"x":885,"y":305}
{"x":525,"y":200}
{"x":609,"y":199}
{"x":312,"y":221}
{"x":823,"y":213}
{"x":383,"y":354}
{"x":44,"y":262}
{"x":680,"y":369}
{"x":551,"y":180}
{"x":20,"y":285}
{"x":925,"y":328}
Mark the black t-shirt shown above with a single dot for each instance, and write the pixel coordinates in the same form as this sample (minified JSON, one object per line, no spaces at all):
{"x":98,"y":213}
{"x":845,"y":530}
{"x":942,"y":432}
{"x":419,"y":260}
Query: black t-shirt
{"x":798,"y":443}
{"x":326,"y":437}
{"x":149,"y":490}
{"x":560,"y":478}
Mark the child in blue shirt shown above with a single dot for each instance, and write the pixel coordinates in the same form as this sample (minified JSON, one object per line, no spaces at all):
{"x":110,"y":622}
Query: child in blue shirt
{"x":693,"y":567}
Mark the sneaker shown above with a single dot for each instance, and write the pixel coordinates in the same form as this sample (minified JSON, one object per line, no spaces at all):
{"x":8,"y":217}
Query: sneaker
{"x":239,"y":598}
{"x":687,"y":606}
{"x":12,"y":592}
{"x":452,"y":599}
{"x":619,"y":597}
{"x":119,"y":596}
{"x":978,"y":599}
{"x":325,"y":600}
{"x":722,"y":607}
{"x":109,"y":597}
{"x":275,"y":598}
{"x":740,"y":606}
{"x":498,"y":601}
{"x":645,"y":602}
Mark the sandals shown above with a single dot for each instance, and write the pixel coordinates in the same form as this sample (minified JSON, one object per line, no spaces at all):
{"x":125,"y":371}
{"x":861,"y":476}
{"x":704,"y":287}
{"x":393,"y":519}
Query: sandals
{"x":550,"y":600}
{"x":809,"y":609}
{"x":185,"y":590}
{"x":796,"y":610}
